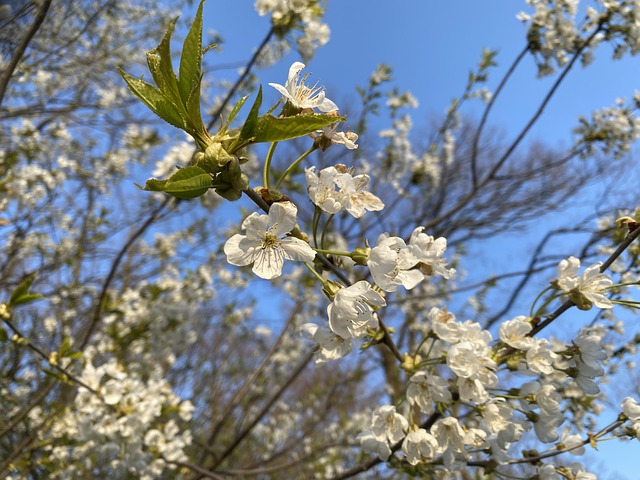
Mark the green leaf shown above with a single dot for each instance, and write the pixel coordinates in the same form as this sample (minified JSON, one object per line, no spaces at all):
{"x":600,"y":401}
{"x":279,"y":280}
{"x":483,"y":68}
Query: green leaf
{"x":196,"y":127}
{"x":234,"y":112}
{"x":276,"y":129}
{"x":191,"y":59}
{"x":155,"y":100}
{"x":21,"y":294}
{"x":250,"y":124}
{"x":164,"y":75}
{"x":77,"y":355}
{"x":188,"y":182}
{"x":32,"y":297}
{"x":3,"y":335}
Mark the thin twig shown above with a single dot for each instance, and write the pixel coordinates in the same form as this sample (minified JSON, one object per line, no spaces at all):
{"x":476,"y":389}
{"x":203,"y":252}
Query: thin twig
{"x":22,"y":47}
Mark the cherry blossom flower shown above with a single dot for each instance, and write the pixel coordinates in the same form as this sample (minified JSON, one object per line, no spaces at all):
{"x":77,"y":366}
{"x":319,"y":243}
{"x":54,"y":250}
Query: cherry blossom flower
{"x":419,"y":446}
{"x":425,"y":389}
{"x":332,"y":346}
{"x":370,"y":444}
{"x":265,"y":244}
{"x":348,"y":139}
{"x":333,"y":191}
{"x":388,"y":425}
{"x":540,"y":357}
{"x":357,"y":200}
{"x":631,"y":409}
{"x":351,"y":313}
{"x":391,"y":264}
{"x":431,"y":262}
{"x":514,"y":333}
{"x":322,"y":189}
{"x":585,"y":290}
{"x":300,"y":95}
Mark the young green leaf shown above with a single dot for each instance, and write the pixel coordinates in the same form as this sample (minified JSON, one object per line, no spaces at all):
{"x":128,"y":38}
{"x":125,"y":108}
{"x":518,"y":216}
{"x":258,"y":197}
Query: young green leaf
{"x":234,"y":112}
{"x":276,"y":129}
{"x":191,"y":59}
{"x":21,"y":294}
{"x":250,"y":124}
{"x":164,"y":76}
{"x":188,"y":182}
{"x":155,"y":100}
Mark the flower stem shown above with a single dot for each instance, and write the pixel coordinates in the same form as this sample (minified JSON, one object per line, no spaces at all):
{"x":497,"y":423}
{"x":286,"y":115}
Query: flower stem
{"x":536,"y":300}
{"x":314,"y":225}
{"x":267,"y":164}
{"x":333,"y":252}
{"x":324,"y":230}
{"x":295,"y":164}
{"x":316,"y":274}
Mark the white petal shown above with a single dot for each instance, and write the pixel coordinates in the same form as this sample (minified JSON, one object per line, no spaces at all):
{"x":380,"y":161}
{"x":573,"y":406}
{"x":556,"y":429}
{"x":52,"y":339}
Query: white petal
{"x":268,"y":263}
{"x":282,"y":217}
{"x":239,"y":250}
{"x":296,"y":249}
{"x":327,"y":106}
{"x":410,"y":278}
{"x":255,"y":225}
{"x":283,"y":91}
{"x":294,"y":70}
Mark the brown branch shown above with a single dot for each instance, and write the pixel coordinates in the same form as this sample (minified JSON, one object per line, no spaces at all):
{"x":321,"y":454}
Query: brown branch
{"x":568,"y":304}
{"x":242,"y":391}
{"x":22,"y":47}
{"x":242,"y":435}
{"x":95,"y":319}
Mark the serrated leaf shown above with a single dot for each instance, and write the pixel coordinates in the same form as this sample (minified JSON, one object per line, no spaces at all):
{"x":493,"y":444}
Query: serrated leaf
{"x":191,"y":59}
{"x":250,"y":124}
{"x":194,"y":116}
{"x":155,"y":100}
{"x":188,"y":182}
{"x":234,"y":112}
{"x":168,"y":83}
{"x":21,"y":293}
{"x":276,"y":129}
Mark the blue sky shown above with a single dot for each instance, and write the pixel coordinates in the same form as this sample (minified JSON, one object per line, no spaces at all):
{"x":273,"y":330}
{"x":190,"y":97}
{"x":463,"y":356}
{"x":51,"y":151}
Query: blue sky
{"x":432,"y":46}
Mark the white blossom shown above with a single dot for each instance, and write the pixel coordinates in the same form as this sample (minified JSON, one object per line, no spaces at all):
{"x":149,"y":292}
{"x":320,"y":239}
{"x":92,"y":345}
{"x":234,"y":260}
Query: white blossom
{"x":351,"y":313}
{"x":332,"y":346}
{"x":514,"y":333}
{"x":591,"y":284}
{"x":348,"y":139}
{"x":391,"y":264}
{"x":419,"y":446}
{"x":300,"y":95}
{"x":265,"y":244}
{"x":388,"y":425}
{"x":333,"y":191}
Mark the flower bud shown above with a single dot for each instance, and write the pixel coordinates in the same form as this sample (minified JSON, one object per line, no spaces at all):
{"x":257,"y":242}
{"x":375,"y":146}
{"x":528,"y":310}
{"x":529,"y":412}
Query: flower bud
{"x":330,"y":289}
{"x":215,"y":153}
{"x":360,"y":255}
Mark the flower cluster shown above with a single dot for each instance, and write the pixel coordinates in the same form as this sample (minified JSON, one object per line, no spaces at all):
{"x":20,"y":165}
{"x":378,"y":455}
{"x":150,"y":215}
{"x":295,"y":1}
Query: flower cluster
{"x":392,"y":262}
{"x":335,"y":190}
{"x":611,"y":130}
{"x":292,"y":15}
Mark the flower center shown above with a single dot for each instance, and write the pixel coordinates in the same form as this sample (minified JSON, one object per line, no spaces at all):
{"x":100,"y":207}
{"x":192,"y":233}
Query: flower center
{"x":269,"y":240}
